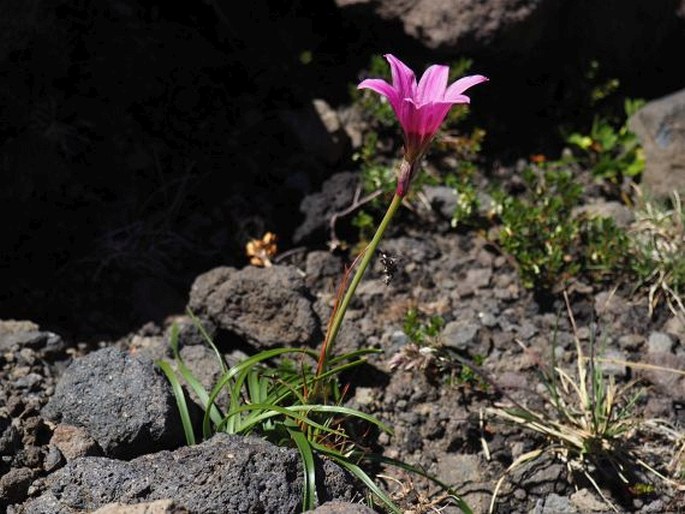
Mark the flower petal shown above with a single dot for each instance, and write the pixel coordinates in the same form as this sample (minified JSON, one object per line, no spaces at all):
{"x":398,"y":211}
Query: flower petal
{"x":420,"y":123}
{"x":408,"y":115}
{"x":432,"y":115}
{"x":461,"y":85}
{"x":403,"y":78}
{"x":380,"y":86}
{"x":460,"y":99}
{"x":433,"y":84}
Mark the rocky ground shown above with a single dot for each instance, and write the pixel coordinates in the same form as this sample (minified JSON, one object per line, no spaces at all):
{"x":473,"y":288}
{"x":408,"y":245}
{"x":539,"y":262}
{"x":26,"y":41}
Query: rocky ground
{"x":155,"y":140}
{"x":86,"y":426}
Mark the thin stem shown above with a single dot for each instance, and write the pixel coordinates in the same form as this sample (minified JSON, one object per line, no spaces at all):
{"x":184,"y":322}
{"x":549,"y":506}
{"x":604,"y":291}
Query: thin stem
{"x":368,"y":252}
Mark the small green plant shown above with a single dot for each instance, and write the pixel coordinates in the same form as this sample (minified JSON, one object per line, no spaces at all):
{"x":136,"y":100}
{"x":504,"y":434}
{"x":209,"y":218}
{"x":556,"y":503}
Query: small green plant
{"x":425,"y":351}
{"x":421,"y":332}
{"x":282,"y":402}
{"x":605,"y":249}
{"x":365,"y":223}
{"x":611,"y":153}
{"x":590,"y":424}
{"x":549,"y":241}
{"x":538,"y":229}
{"x":468,"y":203}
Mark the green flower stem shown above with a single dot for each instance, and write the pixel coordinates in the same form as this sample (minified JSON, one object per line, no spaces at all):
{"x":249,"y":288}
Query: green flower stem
{"x":368,"y":254}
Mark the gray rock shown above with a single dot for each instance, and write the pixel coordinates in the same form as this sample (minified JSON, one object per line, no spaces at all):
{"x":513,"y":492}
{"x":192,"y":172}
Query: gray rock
{"x":538,"y":479}
{"x":622,"y":215}
{"x":460,"y":335}
{"x":47,"y":343}
{"x":500,"y":26}
{"x":13,"y":326}
{"x":225,"y":474}
{"x":336,"y":194}
{"x":613,"y":363}
{"x":555,"y":504}
{"x":10,"y":440}
{"x":122,"y":401}
{"x":588,"y":501}
{"x":53,"y":459}
{"x":630,"y":342}
{"x":488,"y":319}
{"x":662,"y":375}
{"x":264,"y":306}
{"x":466,"y":473}
{"x":658,"y":342}
{"x":526,"y":330}
{"x":610,"y":303}
{"x":676,"y":326}
{"x":324,"y":270}
{"x":478,"y":278}
{"x":660,"y":126}
{"x":442,"y":199}
{"x":411,"y":250}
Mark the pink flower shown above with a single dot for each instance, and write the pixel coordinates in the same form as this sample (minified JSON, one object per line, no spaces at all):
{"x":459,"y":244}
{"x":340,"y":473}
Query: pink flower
{"x":420,"y":108}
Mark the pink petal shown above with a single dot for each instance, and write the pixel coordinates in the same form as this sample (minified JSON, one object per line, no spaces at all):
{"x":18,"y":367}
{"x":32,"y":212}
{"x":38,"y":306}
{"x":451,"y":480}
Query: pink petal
{"x":403,"y":79}
{"x":460,"y":99}
{"x":461,"y":85}
{"x":382,"y":87}
{"x":432,"y":115}
{"x":423,"y":120}
{"x":408,"y":116}
{"x":433,"y":84}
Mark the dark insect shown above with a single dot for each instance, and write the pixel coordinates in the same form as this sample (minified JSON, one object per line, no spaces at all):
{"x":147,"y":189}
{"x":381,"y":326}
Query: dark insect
{"x":389,"y":264}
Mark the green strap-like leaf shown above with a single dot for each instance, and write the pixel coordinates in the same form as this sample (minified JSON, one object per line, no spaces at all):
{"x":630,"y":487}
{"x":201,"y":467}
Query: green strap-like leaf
{"x":347,"y":411}
{"x":207,"y":339}
{"x":241,"y":367}
{"x":309,"y":499}
{"x":360,"y":474}
{"x":264,"y":412}
{"x":180,"y":400}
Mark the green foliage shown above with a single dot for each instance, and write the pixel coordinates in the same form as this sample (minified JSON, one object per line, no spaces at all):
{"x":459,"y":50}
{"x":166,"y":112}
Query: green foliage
{"x":287,"y":403}
{"x":377,"y":177}
{"x":602,"y":87}
{"x":426,"y":352}
{"x":365,"y":223}
{"x":420,"y":331}
{"x":538,"y":229}
{"x":611,"y":153}
{"x":466,"y":210}
{"x":606,"y":248}
{"x":467,"y":375}
{"x":550,"y":243}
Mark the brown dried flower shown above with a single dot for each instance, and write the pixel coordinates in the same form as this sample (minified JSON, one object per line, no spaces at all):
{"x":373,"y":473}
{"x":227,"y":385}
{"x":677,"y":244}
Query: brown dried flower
{"x":261,"y":251}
